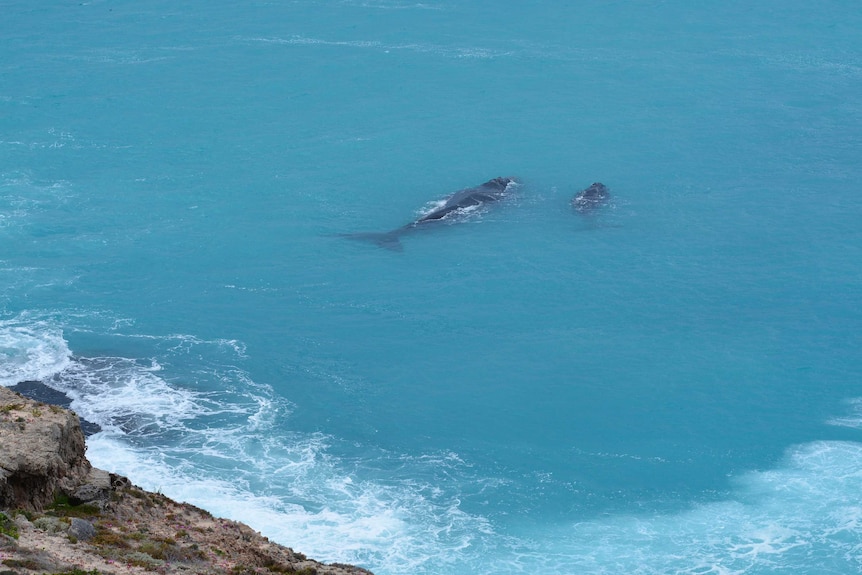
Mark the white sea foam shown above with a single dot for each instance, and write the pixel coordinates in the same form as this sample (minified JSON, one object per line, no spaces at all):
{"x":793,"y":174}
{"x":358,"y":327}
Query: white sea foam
{"x":231,"y":452}
{"x":20,"y":194}
{"x":801,"y":61}
{"x":852,"y":419}
{"x":222,"y":450}
{"x":125,"y":394}
{"x":445,"y":51}
{"x":394,"y":5}
{"x":804,"y":514}
{"x":30,"y":351}
{"x":184,"y":343}
{"x":395,"y":528}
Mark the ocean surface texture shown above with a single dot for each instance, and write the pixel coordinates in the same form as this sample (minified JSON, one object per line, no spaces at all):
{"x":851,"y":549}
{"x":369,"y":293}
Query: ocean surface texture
{"x":671,"y":384}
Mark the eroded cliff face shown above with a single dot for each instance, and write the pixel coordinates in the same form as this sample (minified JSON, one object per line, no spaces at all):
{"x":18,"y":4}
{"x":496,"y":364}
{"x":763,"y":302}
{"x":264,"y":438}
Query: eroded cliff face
{"x":41,"y":452}
{"x":58,"y":514}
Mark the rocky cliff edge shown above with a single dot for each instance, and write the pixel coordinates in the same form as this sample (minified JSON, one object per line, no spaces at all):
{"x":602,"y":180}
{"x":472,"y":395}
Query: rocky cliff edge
{"x":60,"y":515}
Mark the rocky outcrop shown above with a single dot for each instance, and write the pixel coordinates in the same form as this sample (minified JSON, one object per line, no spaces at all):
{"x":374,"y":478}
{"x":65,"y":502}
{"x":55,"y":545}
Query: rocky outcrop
{"x":59,"y":514}
{"x":41,"y":452}
{"x":38,"y":391}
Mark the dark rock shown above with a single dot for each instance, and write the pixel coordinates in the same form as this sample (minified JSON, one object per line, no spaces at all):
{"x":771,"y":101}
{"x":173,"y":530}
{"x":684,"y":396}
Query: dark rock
{"x":96,"y":489}
{"x":38,"y":391}
{"x":119,"y":481}
{"x":82,"y":529}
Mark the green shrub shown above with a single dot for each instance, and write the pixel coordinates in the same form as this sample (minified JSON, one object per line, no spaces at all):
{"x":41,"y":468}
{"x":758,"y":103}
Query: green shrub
{"x":139,"y":559}
{"x":106,"y":538}
{"x":8,"y":527}
{"x":27,"y":514}
{"x":22,"y":564}
{"x":61,"y":507}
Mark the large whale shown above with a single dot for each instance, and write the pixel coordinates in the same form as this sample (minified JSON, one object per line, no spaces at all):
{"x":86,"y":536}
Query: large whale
{"x":588,"y":200}
{"x":457,"y":203}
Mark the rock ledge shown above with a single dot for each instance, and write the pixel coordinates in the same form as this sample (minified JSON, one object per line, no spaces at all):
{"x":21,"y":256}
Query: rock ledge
{"x":59,"y":514}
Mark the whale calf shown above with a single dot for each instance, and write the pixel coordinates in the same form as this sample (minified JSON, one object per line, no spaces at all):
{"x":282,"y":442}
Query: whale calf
{"x":588,"y":200}
{"x":459,"y":202}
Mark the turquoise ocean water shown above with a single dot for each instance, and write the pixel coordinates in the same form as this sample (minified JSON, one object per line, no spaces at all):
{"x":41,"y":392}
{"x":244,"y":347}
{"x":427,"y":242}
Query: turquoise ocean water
{"x":670,"y":386}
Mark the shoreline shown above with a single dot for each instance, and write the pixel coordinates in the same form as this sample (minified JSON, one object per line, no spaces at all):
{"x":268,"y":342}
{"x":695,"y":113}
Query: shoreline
{"x":59,"y":514}
{"x":38,"y":391}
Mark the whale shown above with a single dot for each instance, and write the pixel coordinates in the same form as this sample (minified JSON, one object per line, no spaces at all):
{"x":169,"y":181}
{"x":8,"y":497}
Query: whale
{"x":590,"y":199}
{"x":452,"y":206}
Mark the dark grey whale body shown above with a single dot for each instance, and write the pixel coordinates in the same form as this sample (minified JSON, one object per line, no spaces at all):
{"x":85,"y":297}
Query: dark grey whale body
{"x":588,"y":200}
{"x":456,"y":203}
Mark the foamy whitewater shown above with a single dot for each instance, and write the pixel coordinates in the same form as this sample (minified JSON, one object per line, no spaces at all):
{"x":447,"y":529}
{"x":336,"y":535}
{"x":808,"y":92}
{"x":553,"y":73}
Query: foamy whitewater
{"x":668,"y":385}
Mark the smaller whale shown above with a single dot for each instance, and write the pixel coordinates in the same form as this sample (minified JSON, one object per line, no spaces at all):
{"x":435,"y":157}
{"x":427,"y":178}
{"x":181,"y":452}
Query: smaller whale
{"x":588,"y":200}
{"x":460,"y":202}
